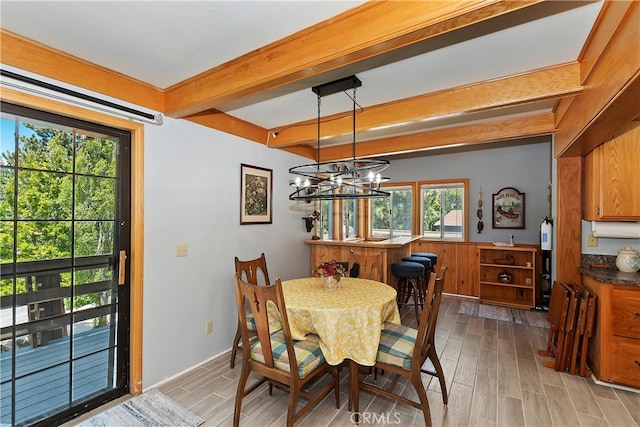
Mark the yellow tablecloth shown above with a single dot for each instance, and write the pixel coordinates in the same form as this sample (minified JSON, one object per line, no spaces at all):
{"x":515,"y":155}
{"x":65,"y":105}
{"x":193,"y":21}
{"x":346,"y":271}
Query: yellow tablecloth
{"x":348,"y":320}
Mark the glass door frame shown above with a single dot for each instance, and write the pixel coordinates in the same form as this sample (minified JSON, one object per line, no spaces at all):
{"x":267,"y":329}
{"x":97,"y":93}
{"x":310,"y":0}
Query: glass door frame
{"x":135,"y":270}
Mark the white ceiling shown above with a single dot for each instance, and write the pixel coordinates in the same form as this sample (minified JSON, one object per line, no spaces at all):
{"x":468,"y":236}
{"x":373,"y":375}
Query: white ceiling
{"x":165,"y":42}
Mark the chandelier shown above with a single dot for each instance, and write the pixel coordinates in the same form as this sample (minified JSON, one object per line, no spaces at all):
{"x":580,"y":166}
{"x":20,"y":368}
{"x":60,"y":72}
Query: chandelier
{"x":347,"y":179}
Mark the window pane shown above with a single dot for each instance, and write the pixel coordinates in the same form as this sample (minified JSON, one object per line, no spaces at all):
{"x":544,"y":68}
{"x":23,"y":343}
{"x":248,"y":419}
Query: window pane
{"x":380,"y":217}
{"x":350,"y":218}
{"x":45,"y":147}
{"x":33,"y":185}
{"x":401,"y":212}
{"x":96,"y":155}
{"x":443,"y":211}
{"x":95,"y":198}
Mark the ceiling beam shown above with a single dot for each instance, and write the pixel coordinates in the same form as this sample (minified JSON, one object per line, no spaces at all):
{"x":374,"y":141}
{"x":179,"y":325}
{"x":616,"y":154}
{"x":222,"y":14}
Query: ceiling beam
{"x":371,"y":29}
{"x":467,"y":135}
{"x":229,"y":124}
{"x":553,"y":82}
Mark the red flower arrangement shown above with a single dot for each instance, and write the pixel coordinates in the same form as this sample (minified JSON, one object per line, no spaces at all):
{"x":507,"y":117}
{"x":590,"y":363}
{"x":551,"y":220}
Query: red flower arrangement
{"x":331,"y":269}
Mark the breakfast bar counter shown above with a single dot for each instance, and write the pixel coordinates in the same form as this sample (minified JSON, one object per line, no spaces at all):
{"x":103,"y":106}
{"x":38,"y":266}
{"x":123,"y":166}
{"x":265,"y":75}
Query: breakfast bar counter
{"x":392,"y":250}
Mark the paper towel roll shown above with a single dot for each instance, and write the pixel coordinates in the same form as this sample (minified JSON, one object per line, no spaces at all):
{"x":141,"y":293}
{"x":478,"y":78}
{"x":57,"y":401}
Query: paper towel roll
{"x":618,"y":230}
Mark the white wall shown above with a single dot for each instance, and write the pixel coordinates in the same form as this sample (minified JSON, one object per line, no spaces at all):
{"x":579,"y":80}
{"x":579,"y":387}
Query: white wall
{"x":192,"y":195}
{"x":526,"y":167}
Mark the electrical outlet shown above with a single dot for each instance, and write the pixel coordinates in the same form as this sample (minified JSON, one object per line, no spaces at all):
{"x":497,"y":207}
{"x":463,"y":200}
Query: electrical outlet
{"x":209,"y":326}
{"x":592,"y":241}
{"x":182,"y":249}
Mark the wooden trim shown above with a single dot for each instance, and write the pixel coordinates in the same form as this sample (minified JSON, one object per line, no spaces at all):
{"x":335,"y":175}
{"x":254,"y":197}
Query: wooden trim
{"x":543,"y":84}
{"x":136,"y":257}
{"x":20,"y":52}
{"x":569,"y":220}
{"x":352,"y":36}
{"x":612,"y":86}
{"x":466,"y":135}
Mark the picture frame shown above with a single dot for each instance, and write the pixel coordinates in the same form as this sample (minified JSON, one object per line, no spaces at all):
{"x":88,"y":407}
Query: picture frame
{"x":508,"y":208}
{"x":256,"y":189}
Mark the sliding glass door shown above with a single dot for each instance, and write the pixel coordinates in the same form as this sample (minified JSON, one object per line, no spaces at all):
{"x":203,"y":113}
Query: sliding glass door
{"x":64,"y":237}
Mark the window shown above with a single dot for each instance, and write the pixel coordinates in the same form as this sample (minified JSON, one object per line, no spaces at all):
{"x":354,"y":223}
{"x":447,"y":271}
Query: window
{"x":443,"y":209}
{"x":349,"y":218}
{"x":393,"y":216}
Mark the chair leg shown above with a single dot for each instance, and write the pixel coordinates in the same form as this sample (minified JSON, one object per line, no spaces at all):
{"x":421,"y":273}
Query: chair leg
{"x":416,"y":300}
{"x":242,"y":382}
{"x":424,"y":402}
{"x":234,"y":348}
{"x":336,"y":389}
{"x":293,"y":404}
{"x":433,"y":355}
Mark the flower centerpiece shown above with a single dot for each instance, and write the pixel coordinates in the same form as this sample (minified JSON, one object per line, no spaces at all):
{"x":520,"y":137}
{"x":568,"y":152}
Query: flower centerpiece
{"x":332,"y":271}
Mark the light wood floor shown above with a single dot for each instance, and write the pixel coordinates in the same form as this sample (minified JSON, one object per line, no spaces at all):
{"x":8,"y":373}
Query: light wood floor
{"x":494,"y":378}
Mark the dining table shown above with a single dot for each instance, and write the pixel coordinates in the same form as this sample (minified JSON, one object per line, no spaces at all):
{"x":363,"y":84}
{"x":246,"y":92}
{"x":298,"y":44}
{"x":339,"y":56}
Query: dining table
{"x":348,"y":320}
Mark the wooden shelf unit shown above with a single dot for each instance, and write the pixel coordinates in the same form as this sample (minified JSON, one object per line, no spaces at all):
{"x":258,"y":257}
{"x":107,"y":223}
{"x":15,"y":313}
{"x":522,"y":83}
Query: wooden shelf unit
{"x":521,"y":293}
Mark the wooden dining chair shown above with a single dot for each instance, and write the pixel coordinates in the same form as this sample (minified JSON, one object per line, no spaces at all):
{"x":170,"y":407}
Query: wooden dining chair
{"x":403,"y":350}
{"x":276,"y":356}
{"x":370,"y":264}
{"x":255,"y":272}
{"x":431,"y":336}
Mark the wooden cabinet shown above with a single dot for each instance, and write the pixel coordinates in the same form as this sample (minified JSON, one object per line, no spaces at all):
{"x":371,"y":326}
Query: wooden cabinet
{"x":518,"y":263}
{"x":611,"y":178}
{"x":614,"y":350}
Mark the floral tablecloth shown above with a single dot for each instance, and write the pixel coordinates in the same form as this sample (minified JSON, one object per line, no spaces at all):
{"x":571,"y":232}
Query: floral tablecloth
{"x":347,"y":320}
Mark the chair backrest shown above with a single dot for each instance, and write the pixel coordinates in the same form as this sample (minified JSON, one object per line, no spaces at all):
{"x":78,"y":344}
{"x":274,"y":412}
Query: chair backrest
{"x":429,"y":317}
{"x":251,"y":270}
{"x":263,"y":302}
{"x":370,"y":264}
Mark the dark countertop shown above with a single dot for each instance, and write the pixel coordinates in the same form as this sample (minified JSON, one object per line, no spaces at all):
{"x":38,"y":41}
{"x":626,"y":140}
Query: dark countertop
{"x":616,"y":277}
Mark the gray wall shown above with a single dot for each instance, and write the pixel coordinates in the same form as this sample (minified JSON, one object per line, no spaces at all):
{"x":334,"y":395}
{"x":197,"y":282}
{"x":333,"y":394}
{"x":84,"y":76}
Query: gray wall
{"x":526,"y":167}
{"x":192,"y":195}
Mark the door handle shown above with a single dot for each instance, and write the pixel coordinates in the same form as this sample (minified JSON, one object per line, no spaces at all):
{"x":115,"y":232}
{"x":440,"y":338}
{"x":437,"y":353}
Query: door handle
{"x":122,"y":267}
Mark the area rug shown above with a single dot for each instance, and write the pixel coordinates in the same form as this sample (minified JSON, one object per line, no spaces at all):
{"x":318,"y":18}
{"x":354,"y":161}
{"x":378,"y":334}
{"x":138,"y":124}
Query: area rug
{"x":151,"y":408}
{"x":506,"y":314}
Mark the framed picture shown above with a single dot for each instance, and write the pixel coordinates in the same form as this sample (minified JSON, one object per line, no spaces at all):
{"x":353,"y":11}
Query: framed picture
{"x":255,"y":194}
{"x":508,"y":208}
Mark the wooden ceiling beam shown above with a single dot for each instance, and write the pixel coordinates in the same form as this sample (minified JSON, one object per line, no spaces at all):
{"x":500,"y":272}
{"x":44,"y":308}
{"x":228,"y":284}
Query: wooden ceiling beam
{"x":467,"y":135}
{"x":549,"y":83}
{"x":371,"y":29}
{"x":229,"y":124}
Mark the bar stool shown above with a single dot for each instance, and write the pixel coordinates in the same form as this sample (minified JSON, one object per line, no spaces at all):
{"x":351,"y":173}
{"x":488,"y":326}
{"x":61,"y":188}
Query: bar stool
{"x":422,"y":289}
{"x":410,"y":275}
{"x":433,"y":257}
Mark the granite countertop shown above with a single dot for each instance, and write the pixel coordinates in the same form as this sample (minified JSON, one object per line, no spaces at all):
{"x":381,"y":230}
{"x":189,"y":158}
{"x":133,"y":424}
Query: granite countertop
{"x":607,"y":272}
{"x":615,"y":277}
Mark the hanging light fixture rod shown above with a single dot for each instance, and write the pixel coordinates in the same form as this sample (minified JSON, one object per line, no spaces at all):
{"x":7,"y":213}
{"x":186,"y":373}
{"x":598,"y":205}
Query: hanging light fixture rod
{"x":346,"y":179}
{"x":336,"y":86}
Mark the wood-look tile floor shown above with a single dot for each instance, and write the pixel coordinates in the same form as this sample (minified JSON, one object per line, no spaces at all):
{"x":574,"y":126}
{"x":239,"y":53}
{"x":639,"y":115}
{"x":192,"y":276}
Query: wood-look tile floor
{"x":493,"y":372}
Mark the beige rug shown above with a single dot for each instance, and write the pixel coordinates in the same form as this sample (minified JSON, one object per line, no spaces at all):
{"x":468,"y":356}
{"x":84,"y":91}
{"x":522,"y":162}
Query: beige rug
{"x":151,"y":408}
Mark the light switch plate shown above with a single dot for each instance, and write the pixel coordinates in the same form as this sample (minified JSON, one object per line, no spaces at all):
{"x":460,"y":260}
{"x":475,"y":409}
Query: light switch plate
{"x":182,"y":249}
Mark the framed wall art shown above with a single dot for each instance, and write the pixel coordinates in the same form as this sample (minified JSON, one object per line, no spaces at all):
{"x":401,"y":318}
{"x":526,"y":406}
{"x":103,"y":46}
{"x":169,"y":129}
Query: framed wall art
{"x":255,"y":194}
{"x":508,"y":208}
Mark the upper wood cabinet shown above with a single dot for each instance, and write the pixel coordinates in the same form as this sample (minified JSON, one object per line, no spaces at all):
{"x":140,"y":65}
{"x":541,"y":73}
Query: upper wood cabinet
{"x":612,"y":178}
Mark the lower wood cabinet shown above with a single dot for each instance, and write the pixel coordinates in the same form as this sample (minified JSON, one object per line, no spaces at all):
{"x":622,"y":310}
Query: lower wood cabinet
{"x":614,"y":348}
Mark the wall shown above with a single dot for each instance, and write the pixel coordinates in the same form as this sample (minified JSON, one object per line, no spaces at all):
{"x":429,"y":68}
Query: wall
{"x":526,"y":167}
{"x":606,"y":246}
{"x":192,"y":195}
